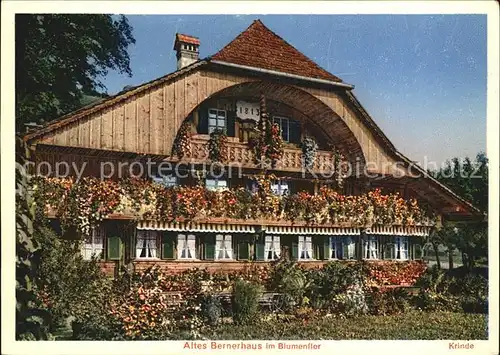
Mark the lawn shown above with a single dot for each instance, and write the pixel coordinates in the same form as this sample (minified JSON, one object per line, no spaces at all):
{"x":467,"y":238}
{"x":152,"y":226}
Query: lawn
{"x":414,"y":325}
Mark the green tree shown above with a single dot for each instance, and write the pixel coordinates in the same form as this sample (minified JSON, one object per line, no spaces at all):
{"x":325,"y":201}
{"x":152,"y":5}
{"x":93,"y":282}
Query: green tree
{"x":467,"y":178}
{"x":61,"y":58}
{"x":470,"y":180}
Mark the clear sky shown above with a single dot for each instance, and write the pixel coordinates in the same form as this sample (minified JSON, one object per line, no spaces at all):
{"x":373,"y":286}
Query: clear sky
{"x":422,"y":78}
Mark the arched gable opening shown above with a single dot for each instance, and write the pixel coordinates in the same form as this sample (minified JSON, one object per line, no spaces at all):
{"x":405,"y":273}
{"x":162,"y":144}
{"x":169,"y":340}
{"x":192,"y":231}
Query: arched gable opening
{"x":319,"y":119}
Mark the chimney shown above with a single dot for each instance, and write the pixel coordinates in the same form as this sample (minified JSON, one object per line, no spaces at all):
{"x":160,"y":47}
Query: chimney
{"x":187,"y":50}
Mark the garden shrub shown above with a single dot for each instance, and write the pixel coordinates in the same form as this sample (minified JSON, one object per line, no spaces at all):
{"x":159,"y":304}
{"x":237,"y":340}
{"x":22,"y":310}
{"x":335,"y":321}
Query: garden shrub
{"x":472,"y":290}
{"x":72,"y":288}
{"x":388,"y":301}
{"x":351,"y":302}
{"x":288,"y":278}
{"x":211,"y":309}
{"x":441,"y":291}
{"x":245,"y":301}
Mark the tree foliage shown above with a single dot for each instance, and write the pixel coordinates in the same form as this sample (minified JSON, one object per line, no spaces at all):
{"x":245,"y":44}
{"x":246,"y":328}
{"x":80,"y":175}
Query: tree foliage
{"x":470,"y":180}
{"x":32,"y":320}
{"x":467,"y":178}
{"x":61,"y":57}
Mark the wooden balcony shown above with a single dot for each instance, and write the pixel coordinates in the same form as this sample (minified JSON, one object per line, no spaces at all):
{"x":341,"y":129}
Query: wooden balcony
{"x":239,"y":154}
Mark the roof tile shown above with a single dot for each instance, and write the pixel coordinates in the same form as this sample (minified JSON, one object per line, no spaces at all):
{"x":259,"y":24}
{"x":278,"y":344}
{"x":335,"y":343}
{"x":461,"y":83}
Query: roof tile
{"x":260,"y":47}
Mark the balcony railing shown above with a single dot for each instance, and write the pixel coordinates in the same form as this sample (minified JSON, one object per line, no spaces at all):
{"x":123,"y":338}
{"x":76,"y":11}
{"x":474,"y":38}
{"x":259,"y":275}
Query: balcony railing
{"x":240,"y":153}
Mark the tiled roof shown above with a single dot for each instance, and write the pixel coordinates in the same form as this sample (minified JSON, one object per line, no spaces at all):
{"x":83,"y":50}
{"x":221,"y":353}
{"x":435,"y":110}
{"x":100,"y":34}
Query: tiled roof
{"x":260,"y":47}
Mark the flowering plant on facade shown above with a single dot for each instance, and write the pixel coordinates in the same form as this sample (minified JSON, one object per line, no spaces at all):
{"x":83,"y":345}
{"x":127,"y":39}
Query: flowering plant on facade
{"x":182,"y":143}
{"x":340,"y":167}
{"x":82,"y":204}
{"x":86,"y":202}
{"x":309,"y":149}
{"x":274,"y":142}
{"x":267,"y":144}
{"x":217,"y":146}
{"x":188,"y":201}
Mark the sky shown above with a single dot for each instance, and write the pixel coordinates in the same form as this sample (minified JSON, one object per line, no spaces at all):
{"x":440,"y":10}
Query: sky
{"x":422,"y":78}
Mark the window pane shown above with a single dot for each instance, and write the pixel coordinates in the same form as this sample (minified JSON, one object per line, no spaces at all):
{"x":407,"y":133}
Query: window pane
{"x":210,"y":182}
{"x":222,"y":183}
{"x":221,"y":123}
{"x":212,"y":122}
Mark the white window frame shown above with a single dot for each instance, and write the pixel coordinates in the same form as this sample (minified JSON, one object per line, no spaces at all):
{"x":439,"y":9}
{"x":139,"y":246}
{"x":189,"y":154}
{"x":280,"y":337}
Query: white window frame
{"x":272,"y":245}
{"x":337,"y":243}
{"x":147,"y":241}
{"x":280,"y":187}
{"x":372,"y":248}
{"x":400,"y":248}
{"x":186,"y":247}
{"x":93,"y":245}
{"x":305,"y":247}
{"x":219,"y":116}
{"x":169,"y":180}
{"x":279,"y":120}
{"x":219,"y":184}
{"x":224,"y":245}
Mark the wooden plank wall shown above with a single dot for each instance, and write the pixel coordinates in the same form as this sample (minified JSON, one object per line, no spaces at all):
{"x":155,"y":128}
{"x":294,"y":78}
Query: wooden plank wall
{"x":148,"y":122}
{"x":372,"y":150}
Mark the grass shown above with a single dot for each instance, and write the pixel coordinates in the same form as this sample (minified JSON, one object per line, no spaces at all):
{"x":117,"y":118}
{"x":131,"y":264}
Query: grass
{"x":414,"y":325}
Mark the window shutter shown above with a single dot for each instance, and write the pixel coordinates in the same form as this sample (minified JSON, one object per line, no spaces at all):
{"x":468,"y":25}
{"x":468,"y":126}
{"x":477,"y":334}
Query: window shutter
{"x":131,"y":244}
{"x":202,"y":121}
{"x":326,"y":248}
{"x":243,"y":252}
{"x":230,"y":123}
{"x":390,"y":248}
{"x":318,"y":247}
{"x":209,"y":247}
{"x":295,"y":131}
{"x":345,"y":251}
{"x":295,"y":251}
{"x":168,"y":251}
{"x":114,"y":248}
{"x":417,"y":250}
{"x":260,"y":250}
